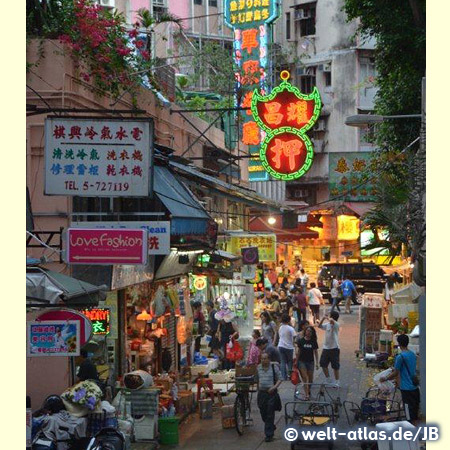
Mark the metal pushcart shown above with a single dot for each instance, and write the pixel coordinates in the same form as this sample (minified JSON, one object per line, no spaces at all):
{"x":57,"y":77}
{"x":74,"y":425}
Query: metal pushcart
{"x":302,"y":414}
{"x":321,"y":392}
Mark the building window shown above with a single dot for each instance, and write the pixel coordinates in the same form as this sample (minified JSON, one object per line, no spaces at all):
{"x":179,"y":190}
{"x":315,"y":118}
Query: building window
{"x":198,"y":2}
{"x":306,"y":17}
{"x":307,"y":78}
{"x":213,"y":3}
{"x":288,"y":26}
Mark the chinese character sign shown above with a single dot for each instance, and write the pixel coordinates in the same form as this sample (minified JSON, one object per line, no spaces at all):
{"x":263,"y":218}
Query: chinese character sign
{"x":347,"y":176}
{"x":100,"y":318}
{"x":240,"y":13}
{"x":285,"y":116}
{"x":348,"y":228}
{"x":266,"y":244}
{"x":97,"y":158}
{"x":53,"y":338}
{"x":251,"y":23}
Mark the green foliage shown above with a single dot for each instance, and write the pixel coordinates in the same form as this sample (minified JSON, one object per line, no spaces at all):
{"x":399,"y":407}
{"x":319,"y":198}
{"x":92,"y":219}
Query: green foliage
{"x":399,"y":29}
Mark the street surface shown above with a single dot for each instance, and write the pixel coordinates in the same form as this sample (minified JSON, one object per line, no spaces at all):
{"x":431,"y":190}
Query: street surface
{"x":198,"y":434}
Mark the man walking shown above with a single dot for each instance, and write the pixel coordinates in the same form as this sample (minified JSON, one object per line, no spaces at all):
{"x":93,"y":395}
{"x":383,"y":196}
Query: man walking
{"x":405,"y":365}
{"x":269,"y":378}
{"x":300,"y":303}
{"x":348,"y":290}
{"x":286,"y":346}
{"x":304,"y":280}
{"x":315,"y":299}
{"x":330,"y":351}
{"x":265,"y":347}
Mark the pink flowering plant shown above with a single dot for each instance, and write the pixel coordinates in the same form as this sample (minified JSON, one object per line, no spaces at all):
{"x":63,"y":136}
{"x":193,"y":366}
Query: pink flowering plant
{"x":110,"y":57}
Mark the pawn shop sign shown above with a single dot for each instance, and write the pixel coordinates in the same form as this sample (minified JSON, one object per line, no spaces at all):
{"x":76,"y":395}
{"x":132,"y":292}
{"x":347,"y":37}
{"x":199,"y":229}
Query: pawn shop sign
{"x":286,"y":115}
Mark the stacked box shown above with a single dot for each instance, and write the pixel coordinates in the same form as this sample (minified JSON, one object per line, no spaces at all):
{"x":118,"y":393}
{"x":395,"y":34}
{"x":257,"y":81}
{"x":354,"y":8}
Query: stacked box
{"x":227,"y":413}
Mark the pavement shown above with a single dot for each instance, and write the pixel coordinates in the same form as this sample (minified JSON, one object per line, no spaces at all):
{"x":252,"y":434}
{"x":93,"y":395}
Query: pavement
{"x":198,"y":434}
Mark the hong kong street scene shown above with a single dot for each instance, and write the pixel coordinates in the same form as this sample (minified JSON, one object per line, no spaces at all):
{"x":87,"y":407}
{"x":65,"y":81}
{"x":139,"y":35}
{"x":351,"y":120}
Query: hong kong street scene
{"x":225,"y":234}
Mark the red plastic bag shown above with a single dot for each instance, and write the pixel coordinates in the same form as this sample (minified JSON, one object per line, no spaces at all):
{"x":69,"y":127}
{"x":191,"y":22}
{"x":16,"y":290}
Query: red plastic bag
{"x":234,"y":351}
{"x":295,"y":377}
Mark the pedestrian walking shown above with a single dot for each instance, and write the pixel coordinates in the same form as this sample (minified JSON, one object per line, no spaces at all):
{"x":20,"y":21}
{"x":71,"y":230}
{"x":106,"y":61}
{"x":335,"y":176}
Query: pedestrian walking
{"x":307,"y":354}
{"x":405,"y":366}
{"x":272,"y":351}
{"x":213,"y":325}
{"x":315,"y":299}
{"x":253,"y":354}
{"x":226,"y":332}
{"x":286,"y":346}
{"x":336,"y":294}
{"x":87,"y":370}
{"x":304,"y":280}
{"x":275,"y":307}
{"x":269,"y":379}
{"x":330,"y":349}
{"x":268,"y":327}
{"x":348,"y":291}
{"x":301,"y":303}
{"x":302,"y":326}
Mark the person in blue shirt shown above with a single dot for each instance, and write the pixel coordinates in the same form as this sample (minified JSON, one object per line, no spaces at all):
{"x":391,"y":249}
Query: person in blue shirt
{"x":405,"y":366}
{"x":348,"y":289}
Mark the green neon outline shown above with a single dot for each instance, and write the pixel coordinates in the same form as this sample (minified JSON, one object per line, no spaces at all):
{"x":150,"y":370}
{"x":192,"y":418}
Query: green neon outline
{"x":309,"y":154}
{"x":286,"y":86}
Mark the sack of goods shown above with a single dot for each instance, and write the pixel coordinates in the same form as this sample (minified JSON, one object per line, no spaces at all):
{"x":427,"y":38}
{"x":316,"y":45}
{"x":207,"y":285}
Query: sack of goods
{"x":139,"y":379}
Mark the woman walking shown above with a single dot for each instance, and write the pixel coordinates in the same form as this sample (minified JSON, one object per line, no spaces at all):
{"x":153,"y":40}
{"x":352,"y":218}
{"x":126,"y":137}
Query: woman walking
{"x":336,"y":294}
{"x":268,"y":327}
{"x":307,"y":353}
{"x":286,"y":346}
{"x":315,"y":300}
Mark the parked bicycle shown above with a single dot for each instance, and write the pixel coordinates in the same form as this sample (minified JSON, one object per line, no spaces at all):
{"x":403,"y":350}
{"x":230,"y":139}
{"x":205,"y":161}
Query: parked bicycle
{"x":245,"y":386}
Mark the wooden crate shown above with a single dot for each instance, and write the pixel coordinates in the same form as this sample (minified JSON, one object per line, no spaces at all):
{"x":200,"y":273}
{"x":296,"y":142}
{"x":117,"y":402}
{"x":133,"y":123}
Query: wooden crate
{"x":228,"y":423}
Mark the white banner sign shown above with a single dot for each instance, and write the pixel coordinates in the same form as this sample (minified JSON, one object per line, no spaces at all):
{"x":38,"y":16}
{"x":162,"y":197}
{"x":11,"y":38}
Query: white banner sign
{"x":97,"y":157}
{"x":158,"y":232}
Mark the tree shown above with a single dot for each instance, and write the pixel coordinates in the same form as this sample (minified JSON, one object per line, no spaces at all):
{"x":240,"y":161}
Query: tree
{"x":399,"y":29}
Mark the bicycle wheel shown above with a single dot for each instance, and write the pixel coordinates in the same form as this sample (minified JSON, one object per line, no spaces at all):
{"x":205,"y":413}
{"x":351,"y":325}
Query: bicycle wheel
{"x":239,"y":414}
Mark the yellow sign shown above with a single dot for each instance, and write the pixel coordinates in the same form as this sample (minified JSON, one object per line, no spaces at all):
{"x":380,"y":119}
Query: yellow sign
{"x":200,"y":283}
{"x":348,"y":228}
{"x":266,"y":243}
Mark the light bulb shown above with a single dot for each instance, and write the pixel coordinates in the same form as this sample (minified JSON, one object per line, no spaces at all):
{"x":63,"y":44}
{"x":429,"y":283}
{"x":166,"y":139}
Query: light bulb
{"x":271,"y":221}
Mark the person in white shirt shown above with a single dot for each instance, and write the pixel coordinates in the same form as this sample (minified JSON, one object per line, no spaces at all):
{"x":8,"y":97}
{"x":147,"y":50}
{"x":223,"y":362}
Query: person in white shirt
{"x":331,"y":350}
{"x":286,"y":346}
{"x":315,"y":299}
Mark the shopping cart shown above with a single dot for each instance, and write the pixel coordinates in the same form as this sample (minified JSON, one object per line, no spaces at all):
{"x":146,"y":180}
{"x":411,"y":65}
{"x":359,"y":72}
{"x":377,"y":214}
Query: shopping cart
{"x":303,"y":414}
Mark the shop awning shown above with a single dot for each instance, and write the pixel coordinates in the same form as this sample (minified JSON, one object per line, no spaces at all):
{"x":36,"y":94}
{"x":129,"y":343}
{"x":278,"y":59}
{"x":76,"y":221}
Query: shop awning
{"x":189,"y":219}
{"x":302,"y":231}
{"x":226,"y":255}
{"x":360,"y":208}
{"x":236,"y":193}
{"x":49,"y":287}
{"x":171,"y":267}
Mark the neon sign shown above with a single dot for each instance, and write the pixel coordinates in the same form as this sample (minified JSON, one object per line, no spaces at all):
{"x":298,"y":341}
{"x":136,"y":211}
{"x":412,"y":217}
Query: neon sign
{"x":240,"y":13}
{"x":100,"y":318}
{"x":285,"y":116}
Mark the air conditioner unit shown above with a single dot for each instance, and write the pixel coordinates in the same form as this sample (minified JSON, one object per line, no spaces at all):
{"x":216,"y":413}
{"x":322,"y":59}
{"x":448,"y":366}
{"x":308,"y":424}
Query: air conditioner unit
{"x":300,"y":71}
{"x":326,"y":67}
{"x":302,"y":14}
{"x":107,"y":3}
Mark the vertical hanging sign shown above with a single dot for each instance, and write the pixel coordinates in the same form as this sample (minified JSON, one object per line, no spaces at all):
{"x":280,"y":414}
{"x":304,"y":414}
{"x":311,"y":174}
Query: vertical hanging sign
{"x":250,"y":21}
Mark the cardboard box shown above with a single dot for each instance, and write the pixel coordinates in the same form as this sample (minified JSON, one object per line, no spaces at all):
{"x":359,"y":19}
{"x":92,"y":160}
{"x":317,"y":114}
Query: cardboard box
{"x":185,"y":402}
{"x":227,"y":411}
{"x":245,"y":371}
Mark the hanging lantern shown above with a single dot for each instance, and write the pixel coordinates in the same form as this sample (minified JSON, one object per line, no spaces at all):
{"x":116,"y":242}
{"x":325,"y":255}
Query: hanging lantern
{"x":144,"y":315}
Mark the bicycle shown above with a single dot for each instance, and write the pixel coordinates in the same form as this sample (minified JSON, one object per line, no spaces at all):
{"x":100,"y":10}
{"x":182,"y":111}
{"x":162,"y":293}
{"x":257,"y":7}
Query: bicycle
{"x":243,"y":402}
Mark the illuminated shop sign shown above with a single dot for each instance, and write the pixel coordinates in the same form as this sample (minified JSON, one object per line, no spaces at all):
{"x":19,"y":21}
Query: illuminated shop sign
{"x":250,"y":20}
{"x":348,"y":228}
{"x":100,"y":318}
{"x":285,"y":116}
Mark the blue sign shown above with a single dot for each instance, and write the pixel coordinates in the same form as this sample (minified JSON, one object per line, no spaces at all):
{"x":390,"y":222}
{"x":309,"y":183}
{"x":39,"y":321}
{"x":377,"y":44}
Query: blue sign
{"x":53,"y":338}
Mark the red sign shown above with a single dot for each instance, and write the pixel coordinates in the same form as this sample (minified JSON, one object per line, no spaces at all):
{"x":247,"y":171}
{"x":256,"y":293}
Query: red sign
{"x":66,"y":315}
{"x":286,"y":153}
{"x":106,"y":246}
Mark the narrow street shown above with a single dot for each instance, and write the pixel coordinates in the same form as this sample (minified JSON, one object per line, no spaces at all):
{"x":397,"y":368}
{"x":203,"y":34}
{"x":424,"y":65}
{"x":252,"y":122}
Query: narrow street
{"x":196,"y":433}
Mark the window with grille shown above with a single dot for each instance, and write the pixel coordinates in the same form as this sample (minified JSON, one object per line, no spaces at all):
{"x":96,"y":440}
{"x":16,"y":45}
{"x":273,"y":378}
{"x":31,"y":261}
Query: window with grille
{"x":306,"y":17}
{"x":213,"y":3}
{"x":198,"y":2}
{"x":308,"y":80}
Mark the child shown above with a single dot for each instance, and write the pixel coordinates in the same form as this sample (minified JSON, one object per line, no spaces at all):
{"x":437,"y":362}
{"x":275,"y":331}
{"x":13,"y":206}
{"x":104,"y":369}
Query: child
{"x":254,"y":353}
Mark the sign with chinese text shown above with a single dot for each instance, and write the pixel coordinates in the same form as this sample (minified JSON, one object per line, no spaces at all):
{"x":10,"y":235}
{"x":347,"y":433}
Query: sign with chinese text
{"x":266,"y":243}
{"x":250,"y":13}
{"x":53,"y":338}
{"x":158,"y":232}
{"x":348,"y":228}
{"x":109,"y":246}
{"x":250,"y":255}
{"x":251,"y":23}
{"x":347,"y":176}
{"x":100,"y":319}
{"x":285,"y":116}
{"x":199,"y":282}
{"x":97,"y":157}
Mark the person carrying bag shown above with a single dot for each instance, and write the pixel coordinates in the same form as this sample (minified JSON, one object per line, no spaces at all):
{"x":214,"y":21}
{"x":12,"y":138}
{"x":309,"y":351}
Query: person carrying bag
{"x":269,"y":379}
